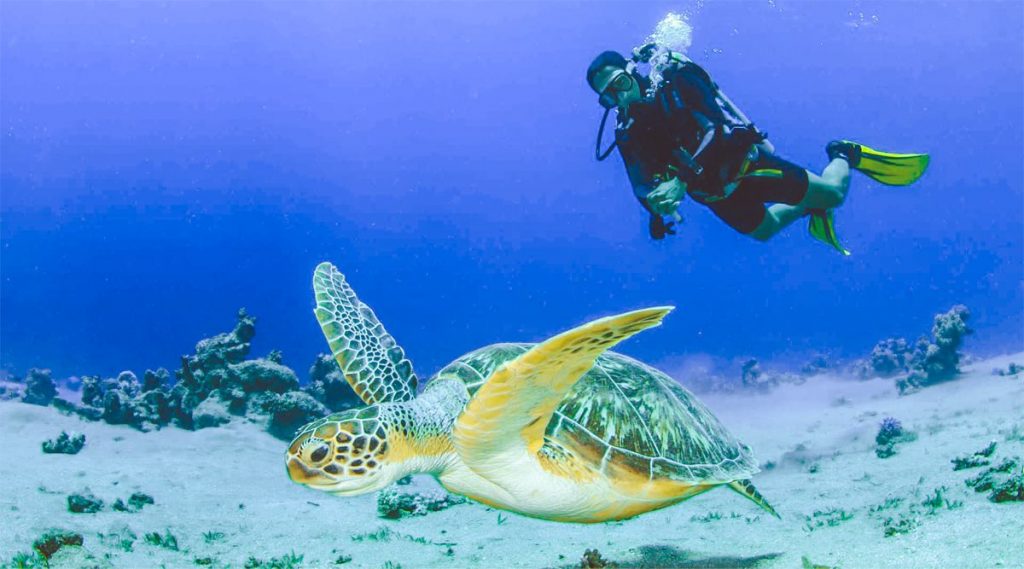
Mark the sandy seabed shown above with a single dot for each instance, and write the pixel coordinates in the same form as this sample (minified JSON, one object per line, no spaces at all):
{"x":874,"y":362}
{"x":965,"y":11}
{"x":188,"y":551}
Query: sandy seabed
{"x":224,"y":494}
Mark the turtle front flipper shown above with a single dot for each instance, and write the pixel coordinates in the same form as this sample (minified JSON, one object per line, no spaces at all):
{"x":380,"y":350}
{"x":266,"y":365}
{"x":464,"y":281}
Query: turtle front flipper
{"x":373,"y":363}
{"x":505,"y":420}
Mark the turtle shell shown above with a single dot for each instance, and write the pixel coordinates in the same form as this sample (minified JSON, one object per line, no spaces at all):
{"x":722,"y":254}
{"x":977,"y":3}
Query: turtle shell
{"x":629,"y":414}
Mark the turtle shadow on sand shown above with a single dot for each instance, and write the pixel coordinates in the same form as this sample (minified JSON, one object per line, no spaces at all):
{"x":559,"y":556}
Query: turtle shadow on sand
{"x":669,"y":557}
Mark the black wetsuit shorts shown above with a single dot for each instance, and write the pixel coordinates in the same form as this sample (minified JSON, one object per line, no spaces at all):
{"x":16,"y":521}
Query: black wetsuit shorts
{"x":770,"y":179}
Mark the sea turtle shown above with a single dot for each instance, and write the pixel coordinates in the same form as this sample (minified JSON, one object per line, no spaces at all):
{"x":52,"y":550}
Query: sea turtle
{"x":562,"y":430}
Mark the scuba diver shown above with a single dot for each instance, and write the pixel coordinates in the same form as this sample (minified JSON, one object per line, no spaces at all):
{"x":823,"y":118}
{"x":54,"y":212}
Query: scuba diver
{"x":678,"y":134}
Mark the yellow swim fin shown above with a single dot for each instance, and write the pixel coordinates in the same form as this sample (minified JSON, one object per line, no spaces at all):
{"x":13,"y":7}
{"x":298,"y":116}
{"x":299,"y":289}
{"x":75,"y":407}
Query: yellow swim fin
{"x":822,"y":227}
{"x":888,"y":168}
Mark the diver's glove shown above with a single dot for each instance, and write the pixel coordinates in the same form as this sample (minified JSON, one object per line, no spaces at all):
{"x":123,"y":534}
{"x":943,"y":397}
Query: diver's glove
{"x":643,"y":53}
{"x":665,"y":198}
{"x":659,"y":229}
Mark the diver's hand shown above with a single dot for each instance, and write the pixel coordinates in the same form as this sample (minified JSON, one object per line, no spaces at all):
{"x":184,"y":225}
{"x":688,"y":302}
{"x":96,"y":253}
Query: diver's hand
{"x":659,"y":229}
{"x":665,"y":198}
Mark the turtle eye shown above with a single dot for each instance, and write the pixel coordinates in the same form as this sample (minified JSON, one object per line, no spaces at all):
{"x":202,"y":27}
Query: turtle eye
{"x":319,"y":454}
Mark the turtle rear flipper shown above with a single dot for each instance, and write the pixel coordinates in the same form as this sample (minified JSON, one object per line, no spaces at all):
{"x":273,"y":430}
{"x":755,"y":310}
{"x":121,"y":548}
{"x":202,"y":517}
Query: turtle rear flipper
{"x":506,"y":418}
{"x":747,"y":490}
{"x":372,"y":362}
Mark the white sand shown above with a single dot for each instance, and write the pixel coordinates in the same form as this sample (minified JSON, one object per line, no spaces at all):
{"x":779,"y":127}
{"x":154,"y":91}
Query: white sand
{"x":200,"y":481}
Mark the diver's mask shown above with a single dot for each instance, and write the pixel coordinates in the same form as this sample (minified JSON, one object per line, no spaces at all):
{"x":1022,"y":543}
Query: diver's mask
{"x":620,"y":82}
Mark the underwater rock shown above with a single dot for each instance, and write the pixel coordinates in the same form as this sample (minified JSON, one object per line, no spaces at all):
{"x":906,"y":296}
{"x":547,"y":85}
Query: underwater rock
{"x":938,"y":361}
{"x":183,"y":402}
{"x":327,"y":385}
{"x":819,"y":364}
{"x":212,"y":385}
{"x":1011,"y":490}
{"x":151,"y":410}
{"x":152,"y":380}
{"x":1012,"y":370}
{"x":93,"y":388}
{"x":259,"y":375}
{"x":208,"y":368}
{"x":218,"y":382}
{"x":68,"y":408}
{"x":394,"y":504}
{"x":128,"y":384}
{"x":285,"y":413}
{"x":84,"y":503}
{"x":39,"y":387}
{"x":211,"y":412}
{"x":229,"y":348}
{"x":753,"y":378}
{"x":592,"y":560}
{"x":127,"y":401}
{"x":116,"y":411}
{"x":888,"y":358}
{"x":135,"y":503}
{"x":52,"y":540}
{"x":64,"y":443}
{"x":11,"y":391}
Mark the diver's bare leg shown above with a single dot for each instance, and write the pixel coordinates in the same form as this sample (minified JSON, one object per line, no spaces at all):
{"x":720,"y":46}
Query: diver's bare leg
{"x":829,"y":189}
{"x":776,"y":219}
{"x":823,"y":192}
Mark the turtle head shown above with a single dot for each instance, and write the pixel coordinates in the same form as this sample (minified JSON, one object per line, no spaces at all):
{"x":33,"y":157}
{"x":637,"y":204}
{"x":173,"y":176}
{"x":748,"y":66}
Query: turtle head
{"x":345,"y":454}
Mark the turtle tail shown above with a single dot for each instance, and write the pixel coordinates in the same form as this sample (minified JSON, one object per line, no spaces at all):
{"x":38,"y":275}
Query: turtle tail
{"x":746,"y":488}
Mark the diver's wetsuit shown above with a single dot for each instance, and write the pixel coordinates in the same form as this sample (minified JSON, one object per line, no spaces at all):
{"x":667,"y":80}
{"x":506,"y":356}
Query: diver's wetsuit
{"x":650,"y":132}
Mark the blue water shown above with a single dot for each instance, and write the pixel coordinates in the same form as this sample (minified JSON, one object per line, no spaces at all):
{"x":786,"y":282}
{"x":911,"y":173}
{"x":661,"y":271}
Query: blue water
{"x":166,"y":163}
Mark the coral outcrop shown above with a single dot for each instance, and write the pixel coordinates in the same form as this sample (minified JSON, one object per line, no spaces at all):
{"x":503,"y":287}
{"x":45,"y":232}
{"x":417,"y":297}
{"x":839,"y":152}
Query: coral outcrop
{"x":135,"y":503}
{"x":752,"y":377}
{"x":939,"y":360}
{"x":84,"y":503}
{"x":215,"y":385}
{"x":327,"y":385}
{"x":818,"y":365}
{"x":51,"y":541}
{"x":927,"y":361}
{"x":395,"y":504}
{"x":64,"y":444}
{"x":39,"y":387}
{"x":1013,"y":370}
{"x":888,"y":358}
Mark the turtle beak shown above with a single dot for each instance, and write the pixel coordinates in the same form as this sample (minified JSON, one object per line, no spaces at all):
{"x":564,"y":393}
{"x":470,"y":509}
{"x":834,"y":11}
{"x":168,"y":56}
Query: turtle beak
{"x":317,"y":480}
{"x":302,"y":474}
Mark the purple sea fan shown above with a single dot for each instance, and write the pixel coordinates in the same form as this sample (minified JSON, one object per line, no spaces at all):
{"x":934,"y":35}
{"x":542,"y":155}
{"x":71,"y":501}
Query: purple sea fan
{"x":890,"y":430}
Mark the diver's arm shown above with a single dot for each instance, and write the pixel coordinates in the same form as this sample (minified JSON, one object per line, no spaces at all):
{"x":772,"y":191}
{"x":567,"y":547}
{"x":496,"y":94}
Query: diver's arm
{"x":642,"y":187}
{"x":639,"y":174}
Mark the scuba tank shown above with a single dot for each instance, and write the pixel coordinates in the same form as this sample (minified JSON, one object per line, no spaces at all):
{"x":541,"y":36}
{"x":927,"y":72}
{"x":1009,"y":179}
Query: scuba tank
{"x":709,"y":159}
